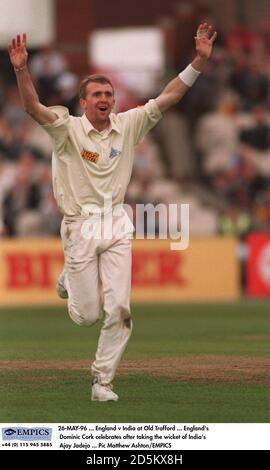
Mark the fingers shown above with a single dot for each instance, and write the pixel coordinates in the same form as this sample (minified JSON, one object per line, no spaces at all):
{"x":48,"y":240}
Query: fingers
{"x":202,"y":30}
{"x":205,"y":31}
{"x":213,"y":38}
{"x":17,"y":42}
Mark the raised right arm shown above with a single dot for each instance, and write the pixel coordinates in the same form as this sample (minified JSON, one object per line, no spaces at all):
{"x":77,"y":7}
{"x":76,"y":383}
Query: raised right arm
{"x":18,"y":57}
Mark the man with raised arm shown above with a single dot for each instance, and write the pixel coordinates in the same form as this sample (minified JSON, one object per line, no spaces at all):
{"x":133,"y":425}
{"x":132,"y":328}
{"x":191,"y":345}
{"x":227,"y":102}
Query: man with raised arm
{"x":92,"y":164}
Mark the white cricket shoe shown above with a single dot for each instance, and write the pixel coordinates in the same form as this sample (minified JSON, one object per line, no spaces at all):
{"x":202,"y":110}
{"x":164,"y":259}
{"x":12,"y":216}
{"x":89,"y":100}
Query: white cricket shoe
{"x":103,"y":393}
{"x":60,"y":286}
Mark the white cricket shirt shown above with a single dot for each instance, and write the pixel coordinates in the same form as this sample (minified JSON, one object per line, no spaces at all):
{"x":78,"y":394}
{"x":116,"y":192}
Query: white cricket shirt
{"x":88,"y":165}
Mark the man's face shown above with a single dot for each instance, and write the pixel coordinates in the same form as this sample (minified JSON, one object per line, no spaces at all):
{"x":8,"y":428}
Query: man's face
{"x":98,"y":103}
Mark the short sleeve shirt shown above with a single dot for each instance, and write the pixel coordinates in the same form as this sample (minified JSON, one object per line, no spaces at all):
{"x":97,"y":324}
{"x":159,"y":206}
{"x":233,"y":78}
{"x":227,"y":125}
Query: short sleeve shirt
{"x":88,"y":165}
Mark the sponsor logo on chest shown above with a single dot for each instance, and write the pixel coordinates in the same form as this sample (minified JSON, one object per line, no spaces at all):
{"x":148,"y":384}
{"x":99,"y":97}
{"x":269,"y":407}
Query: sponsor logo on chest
{"x":90,"y":156}
{"x":114,"y":153}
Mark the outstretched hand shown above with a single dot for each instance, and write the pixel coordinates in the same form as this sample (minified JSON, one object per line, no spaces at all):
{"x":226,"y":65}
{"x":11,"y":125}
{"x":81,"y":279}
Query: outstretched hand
{"x":205,"y":37}
{"x":17,"y":51}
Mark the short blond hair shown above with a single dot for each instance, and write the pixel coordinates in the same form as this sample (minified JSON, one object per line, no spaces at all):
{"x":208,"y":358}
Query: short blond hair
{"x":92,"y":79}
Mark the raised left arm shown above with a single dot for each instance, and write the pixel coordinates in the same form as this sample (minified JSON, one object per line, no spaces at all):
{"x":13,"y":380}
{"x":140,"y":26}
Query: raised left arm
{"x":176,"y":88}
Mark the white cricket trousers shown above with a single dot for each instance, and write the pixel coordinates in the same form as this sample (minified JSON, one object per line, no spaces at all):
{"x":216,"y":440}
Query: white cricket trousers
{"x":89,"y":259}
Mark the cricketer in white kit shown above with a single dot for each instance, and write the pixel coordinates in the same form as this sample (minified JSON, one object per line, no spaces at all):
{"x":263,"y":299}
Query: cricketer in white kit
{"x":92,"y":162}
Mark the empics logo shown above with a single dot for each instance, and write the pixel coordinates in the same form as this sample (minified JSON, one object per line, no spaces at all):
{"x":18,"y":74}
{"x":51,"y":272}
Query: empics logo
{"x":10,"y":432}
{"x":27,"y":434}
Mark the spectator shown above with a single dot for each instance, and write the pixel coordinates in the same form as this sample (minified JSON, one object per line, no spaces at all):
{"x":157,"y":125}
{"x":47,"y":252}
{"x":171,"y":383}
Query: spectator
{"x":23,"y":196}
{"x":46,"y":67}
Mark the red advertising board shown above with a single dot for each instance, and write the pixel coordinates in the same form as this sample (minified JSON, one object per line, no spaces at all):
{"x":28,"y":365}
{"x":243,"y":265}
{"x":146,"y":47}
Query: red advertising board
{"x":258,"y":265}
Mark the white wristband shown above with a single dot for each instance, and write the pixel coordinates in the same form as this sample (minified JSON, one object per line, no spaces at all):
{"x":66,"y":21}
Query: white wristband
{"x":189,"y":75}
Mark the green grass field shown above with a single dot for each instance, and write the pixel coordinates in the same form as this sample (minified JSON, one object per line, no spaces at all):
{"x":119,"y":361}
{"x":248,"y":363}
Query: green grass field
{"x":213,"y":366}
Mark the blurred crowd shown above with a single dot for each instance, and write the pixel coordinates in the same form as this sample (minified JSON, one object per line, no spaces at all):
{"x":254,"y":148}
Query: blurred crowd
{"x":211,"y":151}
